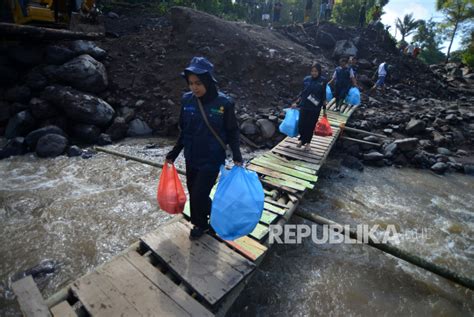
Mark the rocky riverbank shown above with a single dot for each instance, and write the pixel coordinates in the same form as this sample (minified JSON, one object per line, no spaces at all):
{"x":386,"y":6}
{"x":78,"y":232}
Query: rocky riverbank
{"x":128,"y":84}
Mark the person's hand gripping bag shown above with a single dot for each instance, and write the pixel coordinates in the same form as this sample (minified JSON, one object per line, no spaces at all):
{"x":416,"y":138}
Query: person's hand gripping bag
{"x":171,"y":197}
{"x":289,"y":126}
{"x":323,"y":128}
{"x":238,"y":203}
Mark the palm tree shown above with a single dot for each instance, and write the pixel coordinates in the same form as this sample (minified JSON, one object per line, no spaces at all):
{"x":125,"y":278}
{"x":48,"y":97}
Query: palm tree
{"x":456,"y":13}
{"x":408,"y":25}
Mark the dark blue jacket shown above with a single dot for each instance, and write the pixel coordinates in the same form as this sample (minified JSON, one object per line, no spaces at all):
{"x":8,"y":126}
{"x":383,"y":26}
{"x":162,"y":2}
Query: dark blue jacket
{"x":343,"y":81}
{"x":202,"y":150}
{"x":316,"y":88}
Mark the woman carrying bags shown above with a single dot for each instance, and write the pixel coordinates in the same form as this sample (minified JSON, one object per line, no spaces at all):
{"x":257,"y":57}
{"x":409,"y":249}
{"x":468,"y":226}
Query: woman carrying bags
{"x":207,"y":125}
{"x":310,"y":102}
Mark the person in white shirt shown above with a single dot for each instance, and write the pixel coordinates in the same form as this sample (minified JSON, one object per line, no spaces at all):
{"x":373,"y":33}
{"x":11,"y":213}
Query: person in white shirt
{"x":382,"y":74}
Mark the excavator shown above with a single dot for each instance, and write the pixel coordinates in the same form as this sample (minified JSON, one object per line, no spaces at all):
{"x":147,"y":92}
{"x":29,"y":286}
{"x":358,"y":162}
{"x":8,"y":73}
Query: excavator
{"x":78,"y":16}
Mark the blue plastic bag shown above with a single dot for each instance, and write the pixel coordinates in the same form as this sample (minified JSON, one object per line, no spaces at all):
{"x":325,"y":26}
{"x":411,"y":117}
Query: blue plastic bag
{"x":353,"y":97}
{"x":238,"y":203}
{"x":289,"y":126}
{"x":329,"y":95}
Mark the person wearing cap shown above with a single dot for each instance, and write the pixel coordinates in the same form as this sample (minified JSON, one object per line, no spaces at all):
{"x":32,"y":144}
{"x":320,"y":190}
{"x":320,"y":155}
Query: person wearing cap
{"x":310,"y":102}
{"x":204,"y":151}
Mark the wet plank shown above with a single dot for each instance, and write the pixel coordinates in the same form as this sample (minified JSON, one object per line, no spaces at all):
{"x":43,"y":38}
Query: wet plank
{"x":269,"y":200}
{"x":201,"y":268}
{"x":286,"y":183}
{"x":286,"y":170}
{"x":268,"y":159}
{"x":162,"y":282}
{"x":63,"y":309}
{"x":295,"y":156}
{"x":279,"y":187}
{"x":248,"y":247}
{"x":102,"y":298}
{"x":302,"y":153}
{"x":259,"y":232}
{"x":275,"y":174}
{"x":293,"y":162}
{"x":278,"y":210}
{"x":268,"y":217}
{"x":29,"y":298}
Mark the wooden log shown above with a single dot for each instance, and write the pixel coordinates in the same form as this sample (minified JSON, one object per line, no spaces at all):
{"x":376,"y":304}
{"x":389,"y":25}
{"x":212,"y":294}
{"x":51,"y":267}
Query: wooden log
{"x":390,"y":249}
{"x":359,"y":141}
{"x":134,"y":158}
{"x":249,"y":142}
{"x":29,"y":297}
{"x":364,"y":132}
{"x":28,"y":31}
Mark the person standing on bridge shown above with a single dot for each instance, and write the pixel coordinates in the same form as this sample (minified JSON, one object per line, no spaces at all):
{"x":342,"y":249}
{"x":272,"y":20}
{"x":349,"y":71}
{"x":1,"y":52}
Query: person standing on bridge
{"x":208,"y":127}
{"x":343,"y":77}
{"x":310,"y":102}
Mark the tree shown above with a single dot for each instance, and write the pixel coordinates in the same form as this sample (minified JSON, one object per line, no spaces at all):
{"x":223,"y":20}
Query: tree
{"x":347,"y":12}
{"x":456,"y":13}
{"x":428,"y":38}
{"x":408,"y":25}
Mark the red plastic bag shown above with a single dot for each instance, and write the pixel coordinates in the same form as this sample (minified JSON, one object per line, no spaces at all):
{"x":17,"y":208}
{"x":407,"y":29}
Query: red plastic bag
{"x":323,"y":128}
{"x":170,"y":195}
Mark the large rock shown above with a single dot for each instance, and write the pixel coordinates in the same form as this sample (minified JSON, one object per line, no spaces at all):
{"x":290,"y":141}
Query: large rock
{"x":104,"y":139}
{"x":439,"y":168}
{"x":408,"y":144}
{"x":373,"y":156}
{"x":32,"y":138}
{"x":118,"y":129}
{"x":15,"y":146}
{"x":51,"y":145}
{"x":415,"y":126}
{"x":83,"y":72}
{"x":390,"y":150}
{"x":138,"y":127}
{"x":86,"y":133}
{"x":249,"y":128}
{"x":42,"y":109}
{"x":26,"y":55}
{"x":345,"y":48}
{"x":444,"y":151}
{"x":81,"y":47}
{"x":352,"y":162}
{"x":73,"y":151}
{"x":18,"y":94}
{"x":58,"y":55}
{"x":35,"y":80}
{"x":78,"y":106}
{"x":267,"y":128}
{"x":20,"y":125}
{"x":325,"y":39}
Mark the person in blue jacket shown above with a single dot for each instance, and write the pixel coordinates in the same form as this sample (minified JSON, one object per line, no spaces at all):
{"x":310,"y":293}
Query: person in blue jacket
{"x":310,"y":102}
{"x":203,"y":152}
{"x":344,"y":79}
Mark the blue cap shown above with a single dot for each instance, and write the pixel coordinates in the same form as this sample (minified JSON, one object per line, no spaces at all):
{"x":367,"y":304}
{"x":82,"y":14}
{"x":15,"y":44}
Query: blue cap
{"x":200,"y":65}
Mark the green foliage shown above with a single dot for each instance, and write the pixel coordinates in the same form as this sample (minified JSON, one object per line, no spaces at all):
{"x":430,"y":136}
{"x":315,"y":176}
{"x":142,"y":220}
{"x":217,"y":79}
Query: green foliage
{"x":408,"y":25}
{"x":456,"y":14}
{"x":346,"y":12}
{"x":428,"y":38}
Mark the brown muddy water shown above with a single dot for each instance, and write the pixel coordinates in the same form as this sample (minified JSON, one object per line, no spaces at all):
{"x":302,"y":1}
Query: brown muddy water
{"x":79,"y":213}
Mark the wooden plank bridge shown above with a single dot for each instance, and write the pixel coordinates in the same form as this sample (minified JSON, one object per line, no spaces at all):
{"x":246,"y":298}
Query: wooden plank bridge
{"x":166,"y":274}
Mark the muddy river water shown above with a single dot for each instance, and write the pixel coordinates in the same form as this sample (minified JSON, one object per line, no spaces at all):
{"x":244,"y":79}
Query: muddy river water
{"x":77,"y":213}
